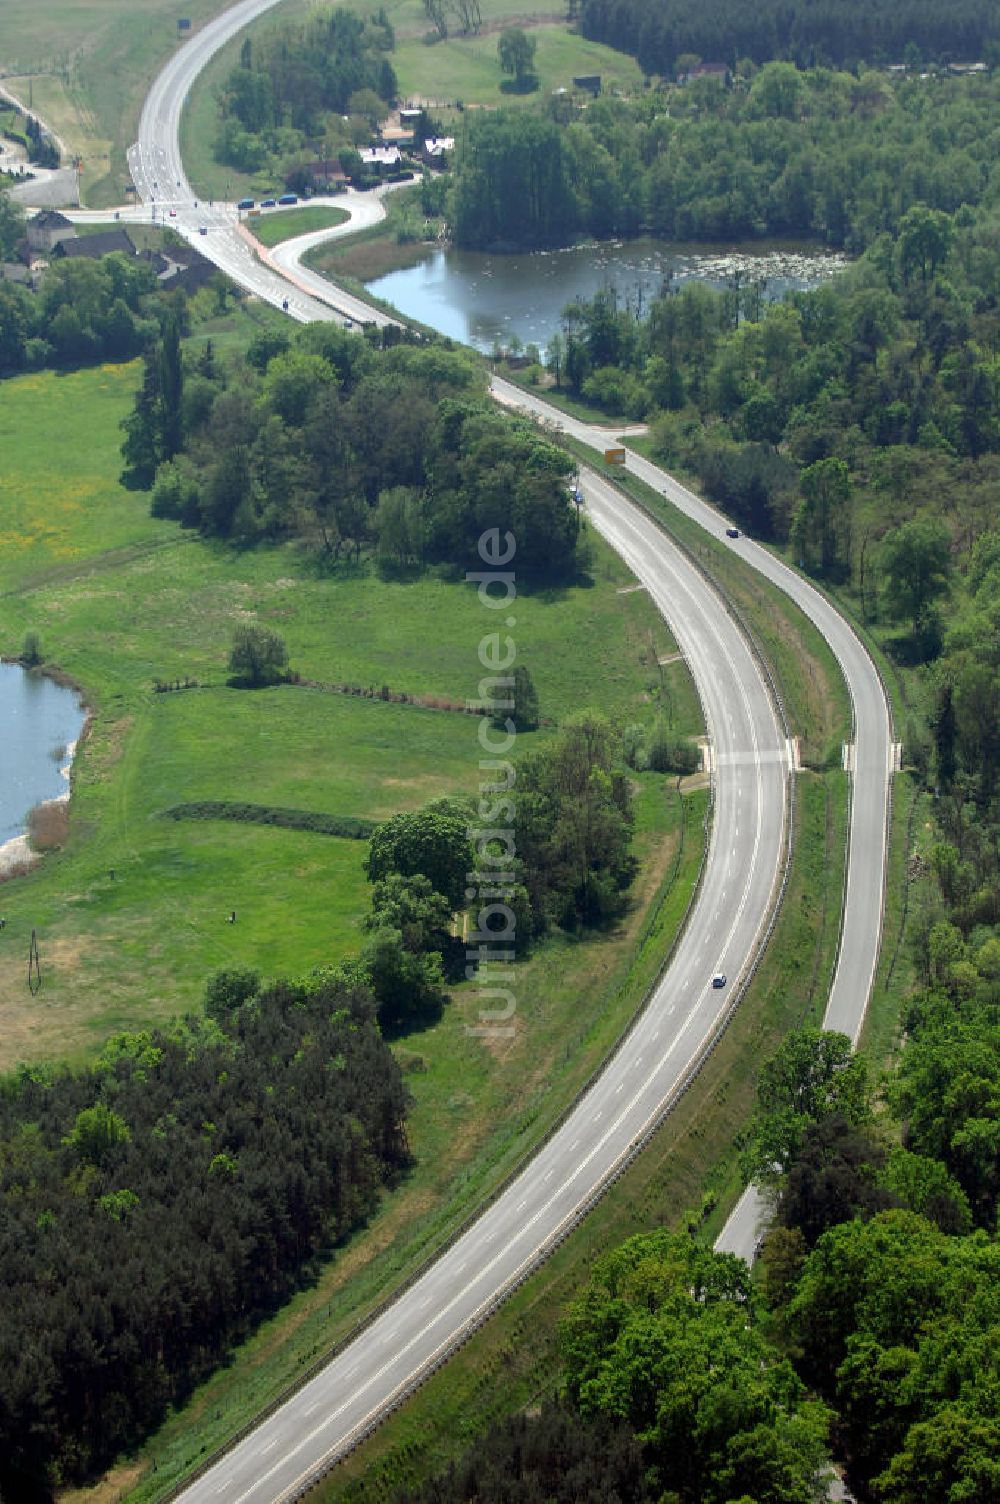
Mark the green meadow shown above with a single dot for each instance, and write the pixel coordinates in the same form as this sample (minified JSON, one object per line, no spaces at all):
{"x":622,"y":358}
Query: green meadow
{"x":465,"y":70}
{"x":272,"y":228}
{"x":121,"y":601}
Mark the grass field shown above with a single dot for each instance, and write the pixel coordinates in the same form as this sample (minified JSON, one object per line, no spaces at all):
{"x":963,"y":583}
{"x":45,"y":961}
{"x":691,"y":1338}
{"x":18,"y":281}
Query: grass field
{"x":120,"y":600}
{"x":465,"y":69}
{"x":272,"y":228}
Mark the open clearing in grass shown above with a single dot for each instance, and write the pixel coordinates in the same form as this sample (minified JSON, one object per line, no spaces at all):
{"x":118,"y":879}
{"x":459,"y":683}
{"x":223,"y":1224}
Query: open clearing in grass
{"x":126,"y":951}
{"x":59,"y":456}
{"x":466,"y":70}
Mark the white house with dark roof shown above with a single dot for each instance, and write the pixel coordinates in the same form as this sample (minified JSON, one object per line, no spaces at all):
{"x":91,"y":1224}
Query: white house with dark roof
{"x":381,"y":158}
{"x":436,"y":148}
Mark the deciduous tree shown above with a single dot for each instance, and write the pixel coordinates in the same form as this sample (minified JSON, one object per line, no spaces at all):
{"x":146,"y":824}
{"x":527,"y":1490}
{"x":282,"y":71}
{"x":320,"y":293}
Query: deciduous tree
{"x":258,"y":656}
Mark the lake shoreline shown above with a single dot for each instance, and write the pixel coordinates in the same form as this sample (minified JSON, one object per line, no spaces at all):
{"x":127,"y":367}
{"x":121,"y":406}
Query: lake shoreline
{"x":485,"y":300}
{"x":17,"y":855}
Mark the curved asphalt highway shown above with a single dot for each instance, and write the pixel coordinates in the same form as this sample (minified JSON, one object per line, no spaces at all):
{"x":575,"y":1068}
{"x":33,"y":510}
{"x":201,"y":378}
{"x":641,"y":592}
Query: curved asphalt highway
{"x":873,"y":747}
{"x":861,"y":929}
{"x":340,"y":1404}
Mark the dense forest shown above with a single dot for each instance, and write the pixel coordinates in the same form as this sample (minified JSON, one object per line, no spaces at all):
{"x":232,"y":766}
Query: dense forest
{"x":157,"y":1203}
{"x":817,"y":154}
{"x":872,"y":1331}
{"x":325,"y":437}
{"x":665,"y":35}
{"x":324,"y":82}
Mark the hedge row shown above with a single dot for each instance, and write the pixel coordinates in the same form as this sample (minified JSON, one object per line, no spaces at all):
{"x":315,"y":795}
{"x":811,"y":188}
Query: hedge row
{"x":348,"y":826}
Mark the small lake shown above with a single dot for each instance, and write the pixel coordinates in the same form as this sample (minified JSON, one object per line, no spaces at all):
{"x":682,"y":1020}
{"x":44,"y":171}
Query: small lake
{"x":40,"y":722}
{"x":478,"y":298}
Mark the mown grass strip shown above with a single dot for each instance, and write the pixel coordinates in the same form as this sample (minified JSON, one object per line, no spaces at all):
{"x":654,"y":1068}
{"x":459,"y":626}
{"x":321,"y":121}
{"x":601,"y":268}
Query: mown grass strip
{"x":286,"y":224}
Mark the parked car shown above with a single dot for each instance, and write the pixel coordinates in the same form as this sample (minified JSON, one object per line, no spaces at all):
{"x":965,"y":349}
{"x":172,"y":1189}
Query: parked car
{"x":288,"y":198}
{"x":245,"y":203}
{"x":267,"y":203}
